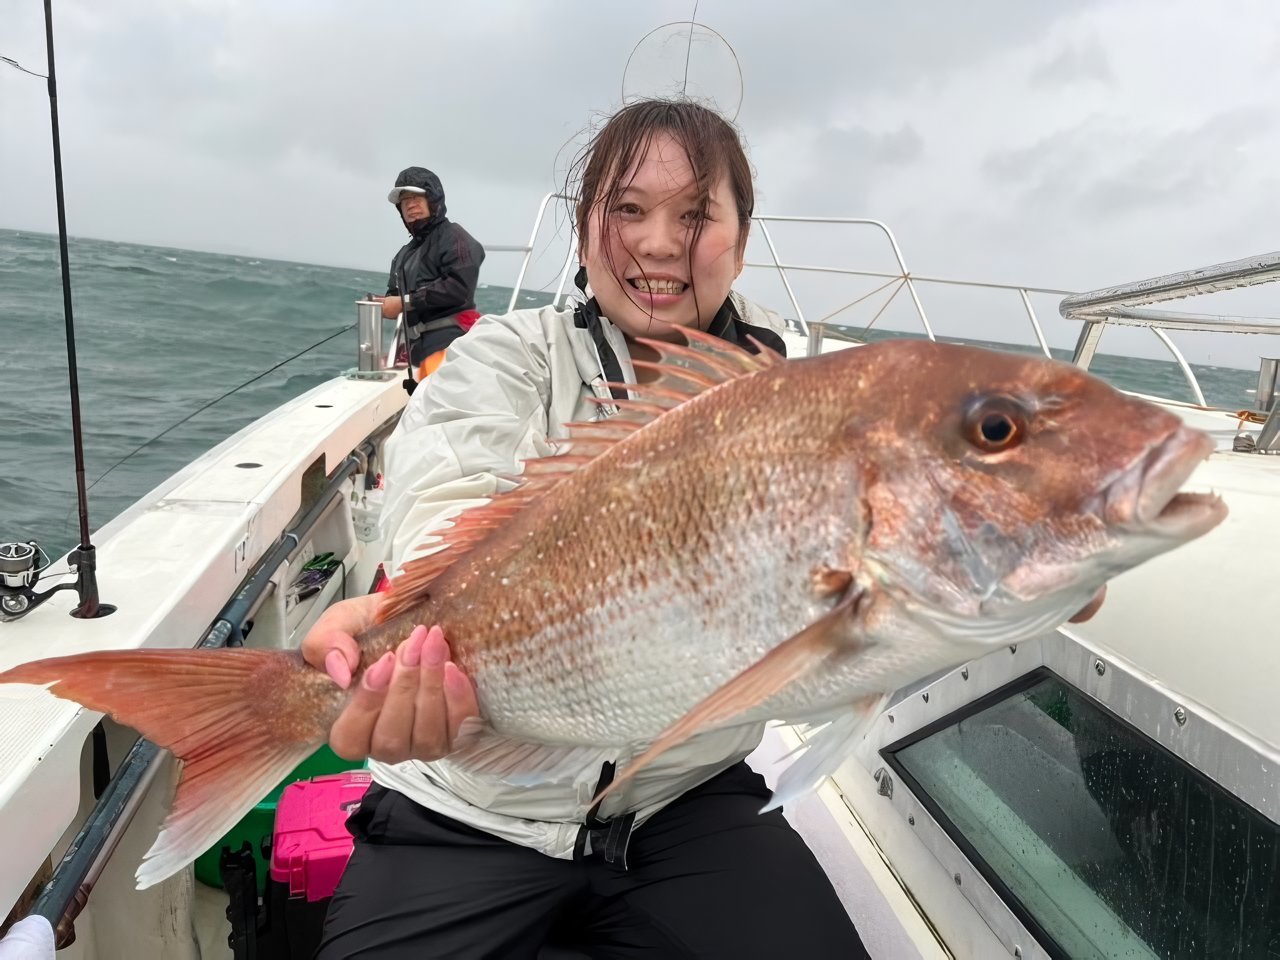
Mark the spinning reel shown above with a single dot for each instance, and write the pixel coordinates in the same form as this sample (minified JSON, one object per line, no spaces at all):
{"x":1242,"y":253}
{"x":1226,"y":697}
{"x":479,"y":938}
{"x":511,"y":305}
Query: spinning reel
{"x":20,"y":569}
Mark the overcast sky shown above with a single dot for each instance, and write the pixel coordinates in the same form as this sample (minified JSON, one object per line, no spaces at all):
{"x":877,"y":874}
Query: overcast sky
{"x":1068,"y":145}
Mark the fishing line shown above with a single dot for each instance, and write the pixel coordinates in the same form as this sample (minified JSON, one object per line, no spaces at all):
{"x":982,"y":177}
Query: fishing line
{"x":217,"y":399}
{"x":17,"y":66}
{"x":43,"y":571}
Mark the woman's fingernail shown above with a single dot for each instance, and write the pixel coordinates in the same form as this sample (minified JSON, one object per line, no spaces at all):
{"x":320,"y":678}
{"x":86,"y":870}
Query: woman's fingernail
{"x":335,"y":664}
{"x":411,"y":649}
{"x":455,"y":682}
{"x":378,"y":677}
{"x":435,"y":651}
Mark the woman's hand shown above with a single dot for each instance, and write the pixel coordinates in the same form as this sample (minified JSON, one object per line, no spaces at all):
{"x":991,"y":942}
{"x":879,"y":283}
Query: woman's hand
{"x":408,"y":706}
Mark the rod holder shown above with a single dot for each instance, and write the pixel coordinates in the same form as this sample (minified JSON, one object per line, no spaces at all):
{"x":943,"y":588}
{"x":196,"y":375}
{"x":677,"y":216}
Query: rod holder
{"x":369,"y":330}
{"x":1268,"y":374}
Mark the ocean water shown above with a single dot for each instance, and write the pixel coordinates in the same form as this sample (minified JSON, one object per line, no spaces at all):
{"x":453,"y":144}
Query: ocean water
{"x":160,"y":332}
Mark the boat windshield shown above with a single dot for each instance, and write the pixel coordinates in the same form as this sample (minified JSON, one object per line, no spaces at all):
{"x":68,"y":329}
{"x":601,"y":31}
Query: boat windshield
{"x":1101,"y":841}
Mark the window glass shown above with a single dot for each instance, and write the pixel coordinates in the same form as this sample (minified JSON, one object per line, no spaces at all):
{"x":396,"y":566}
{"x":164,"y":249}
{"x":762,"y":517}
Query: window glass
{"x":1104,"y":843}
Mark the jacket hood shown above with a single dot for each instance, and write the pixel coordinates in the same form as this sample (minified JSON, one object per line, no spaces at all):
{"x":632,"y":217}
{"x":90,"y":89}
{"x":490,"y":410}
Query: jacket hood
{"x":423,"y":181}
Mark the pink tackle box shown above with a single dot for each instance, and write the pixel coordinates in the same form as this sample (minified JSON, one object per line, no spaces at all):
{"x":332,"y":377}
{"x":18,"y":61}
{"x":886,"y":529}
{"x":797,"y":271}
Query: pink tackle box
{"x":311,"y":846}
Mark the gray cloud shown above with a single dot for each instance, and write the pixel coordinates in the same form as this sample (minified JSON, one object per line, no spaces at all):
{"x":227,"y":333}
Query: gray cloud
{"x":900,"y":146}
{"x":862,"y":50}
{"x":1051,"y":157}
{"x":1108,"y":170}
{"x":849,"y":160}
{"x":1076,"y":62}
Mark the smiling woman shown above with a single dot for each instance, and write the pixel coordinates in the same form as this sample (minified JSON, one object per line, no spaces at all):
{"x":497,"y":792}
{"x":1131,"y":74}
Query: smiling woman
{"x":665,"y":208}
{"x":680,"y":863}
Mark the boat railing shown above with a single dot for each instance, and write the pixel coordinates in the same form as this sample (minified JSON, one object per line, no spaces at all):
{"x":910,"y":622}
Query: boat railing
{"x":1120,"y":306}
{"x":528,"y":249}
{"x":1125,"y":305}
{"x":903,"y":277}
{"x":1116,"y":305}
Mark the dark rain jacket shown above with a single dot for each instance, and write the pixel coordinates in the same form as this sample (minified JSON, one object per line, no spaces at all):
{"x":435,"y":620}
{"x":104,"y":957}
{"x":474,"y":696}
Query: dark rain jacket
{"x":438,"y":269}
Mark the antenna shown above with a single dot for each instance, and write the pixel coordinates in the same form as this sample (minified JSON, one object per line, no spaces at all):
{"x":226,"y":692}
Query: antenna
{"x":662,"y":64}
{"x":17,"y":594}
{"x":688,"y":50}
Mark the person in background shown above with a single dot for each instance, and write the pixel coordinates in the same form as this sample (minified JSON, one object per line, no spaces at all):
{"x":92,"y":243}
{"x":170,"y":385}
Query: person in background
{"x":433,"y":277}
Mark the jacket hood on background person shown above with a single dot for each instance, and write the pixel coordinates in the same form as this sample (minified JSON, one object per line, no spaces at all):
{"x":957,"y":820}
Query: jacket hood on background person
{"x":422,"y":181}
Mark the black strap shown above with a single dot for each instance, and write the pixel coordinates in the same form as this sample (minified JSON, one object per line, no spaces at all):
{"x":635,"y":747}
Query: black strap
{"x":586,"y":316}
{"x":609,"y":838}
{"x":726,"y":325}
{"x":616,"y":841}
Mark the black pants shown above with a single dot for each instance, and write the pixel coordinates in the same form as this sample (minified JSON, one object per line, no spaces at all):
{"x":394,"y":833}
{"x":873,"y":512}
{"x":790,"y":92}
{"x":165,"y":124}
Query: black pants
{"x":707,"y":877}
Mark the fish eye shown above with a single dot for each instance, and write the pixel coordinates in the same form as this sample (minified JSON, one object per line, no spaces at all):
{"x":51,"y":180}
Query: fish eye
{"x":994,"y":424}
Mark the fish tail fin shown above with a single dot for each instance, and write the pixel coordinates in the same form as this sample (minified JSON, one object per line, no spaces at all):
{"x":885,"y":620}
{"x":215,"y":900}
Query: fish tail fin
{"x":223,"y":713}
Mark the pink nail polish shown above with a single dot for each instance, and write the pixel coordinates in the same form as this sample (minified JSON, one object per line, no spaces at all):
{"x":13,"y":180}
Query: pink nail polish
{"x":335,"y":664}
{"x":454,"y":680}
{"x":378,"y":676}
{"x":435,"y":651}
{"x":411,"y":652}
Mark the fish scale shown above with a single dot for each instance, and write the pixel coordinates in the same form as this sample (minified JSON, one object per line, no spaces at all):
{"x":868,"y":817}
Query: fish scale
{"x":636,"y":625}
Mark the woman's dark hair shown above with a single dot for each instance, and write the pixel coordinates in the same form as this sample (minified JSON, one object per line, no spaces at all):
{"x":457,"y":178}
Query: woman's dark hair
{"x":601,"y":172}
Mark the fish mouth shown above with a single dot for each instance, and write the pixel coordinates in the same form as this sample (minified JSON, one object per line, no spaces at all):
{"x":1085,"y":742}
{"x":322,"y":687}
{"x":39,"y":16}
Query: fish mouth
{"x":1150,"y":497}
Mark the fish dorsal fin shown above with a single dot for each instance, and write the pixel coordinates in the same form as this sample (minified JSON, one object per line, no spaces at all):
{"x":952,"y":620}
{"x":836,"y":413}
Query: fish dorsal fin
{"x":684,"y":371}
{"x":468,"y":529}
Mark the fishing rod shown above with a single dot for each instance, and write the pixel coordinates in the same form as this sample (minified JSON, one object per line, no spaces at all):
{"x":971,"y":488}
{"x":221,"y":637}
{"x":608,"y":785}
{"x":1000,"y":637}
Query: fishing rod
{"x":18,"y":570}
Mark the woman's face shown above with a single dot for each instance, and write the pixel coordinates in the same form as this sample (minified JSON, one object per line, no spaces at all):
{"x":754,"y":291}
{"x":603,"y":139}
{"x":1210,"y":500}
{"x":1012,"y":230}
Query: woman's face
{"x":644,"y":269}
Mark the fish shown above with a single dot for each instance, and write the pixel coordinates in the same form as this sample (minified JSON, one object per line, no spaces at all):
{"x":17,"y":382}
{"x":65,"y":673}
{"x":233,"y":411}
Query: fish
{"x":738,"y":538}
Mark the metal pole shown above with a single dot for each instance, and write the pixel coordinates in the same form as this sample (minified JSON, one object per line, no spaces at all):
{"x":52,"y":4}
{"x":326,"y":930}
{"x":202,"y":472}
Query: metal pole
{"x":782,"y":274}
{"x":1035,"y":325}
{"x":85,"y":557}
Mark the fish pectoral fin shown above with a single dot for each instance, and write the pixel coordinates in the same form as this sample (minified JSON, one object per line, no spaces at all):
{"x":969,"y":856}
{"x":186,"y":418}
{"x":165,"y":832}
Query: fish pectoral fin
{"x":825,"y":750}
{"x":830,"y":635}
{"x":479,"y":748}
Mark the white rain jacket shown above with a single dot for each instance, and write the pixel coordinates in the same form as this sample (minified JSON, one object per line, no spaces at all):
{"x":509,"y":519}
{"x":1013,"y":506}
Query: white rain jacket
{"x":506,"y":386}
